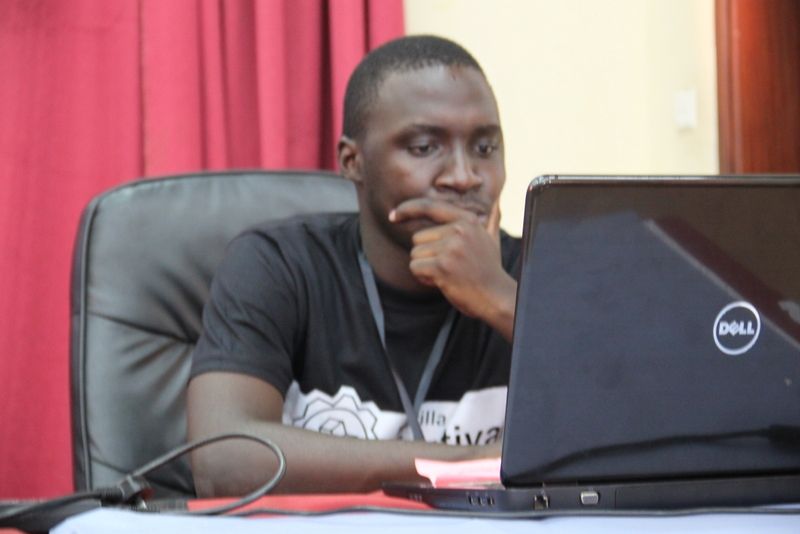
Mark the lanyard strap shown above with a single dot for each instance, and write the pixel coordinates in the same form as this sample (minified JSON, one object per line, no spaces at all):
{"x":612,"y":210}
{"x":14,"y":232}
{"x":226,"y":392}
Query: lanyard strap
{"x":412,"y":410}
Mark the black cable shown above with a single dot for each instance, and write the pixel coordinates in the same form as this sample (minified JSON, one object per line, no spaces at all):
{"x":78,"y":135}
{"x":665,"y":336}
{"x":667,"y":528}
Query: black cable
{"x":247,"y":499}
{"x":44,"y":506}
{"x":134,"y":489}
{"x":128,"y":488}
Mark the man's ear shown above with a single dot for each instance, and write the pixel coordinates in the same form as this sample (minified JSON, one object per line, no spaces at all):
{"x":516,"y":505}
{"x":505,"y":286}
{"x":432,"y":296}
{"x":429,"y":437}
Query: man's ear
{"x":349,"y":156}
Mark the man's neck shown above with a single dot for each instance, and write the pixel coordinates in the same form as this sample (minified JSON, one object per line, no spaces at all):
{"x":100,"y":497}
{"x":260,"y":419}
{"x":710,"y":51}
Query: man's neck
{"x":389,"y":261}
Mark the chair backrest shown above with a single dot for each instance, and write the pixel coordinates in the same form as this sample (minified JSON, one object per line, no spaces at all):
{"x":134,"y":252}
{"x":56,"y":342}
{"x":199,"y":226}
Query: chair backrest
{"x":144,"y":258}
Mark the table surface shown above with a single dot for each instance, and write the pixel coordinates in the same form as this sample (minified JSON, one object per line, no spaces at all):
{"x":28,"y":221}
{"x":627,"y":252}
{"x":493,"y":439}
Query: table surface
{"x":407,"y":515}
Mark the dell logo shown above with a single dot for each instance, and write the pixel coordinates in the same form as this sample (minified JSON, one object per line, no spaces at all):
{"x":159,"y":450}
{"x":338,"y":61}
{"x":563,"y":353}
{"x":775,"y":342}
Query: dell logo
{"x":737,"y":327}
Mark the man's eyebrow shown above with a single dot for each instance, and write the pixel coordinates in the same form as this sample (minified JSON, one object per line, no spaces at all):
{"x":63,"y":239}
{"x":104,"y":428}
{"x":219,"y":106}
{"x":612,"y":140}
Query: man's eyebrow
{"x":418,"y":128}
{"x":486,"y":129}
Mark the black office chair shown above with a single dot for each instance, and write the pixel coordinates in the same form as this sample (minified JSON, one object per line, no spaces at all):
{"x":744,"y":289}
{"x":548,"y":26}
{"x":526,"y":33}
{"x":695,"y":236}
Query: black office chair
{"x":144,"y":258}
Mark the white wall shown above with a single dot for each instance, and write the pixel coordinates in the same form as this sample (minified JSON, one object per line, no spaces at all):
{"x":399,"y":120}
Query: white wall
{"x":589,"y":86}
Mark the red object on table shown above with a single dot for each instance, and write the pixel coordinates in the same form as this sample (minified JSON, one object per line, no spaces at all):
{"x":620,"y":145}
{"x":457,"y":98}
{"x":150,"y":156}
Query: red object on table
{"x":316,"y":502}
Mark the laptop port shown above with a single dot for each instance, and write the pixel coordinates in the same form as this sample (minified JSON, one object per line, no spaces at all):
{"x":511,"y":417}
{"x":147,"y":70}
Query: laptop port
{"x":480,"y":500}
{"x":590,"y":498}
{"x":541,"y":502}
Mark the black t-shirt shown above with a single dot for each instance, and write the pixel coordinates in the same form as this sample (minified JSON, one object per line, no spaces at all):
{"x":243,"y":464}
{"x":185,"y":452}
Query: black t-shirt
{"x":288,"y":305}
{"x":412,"y":322}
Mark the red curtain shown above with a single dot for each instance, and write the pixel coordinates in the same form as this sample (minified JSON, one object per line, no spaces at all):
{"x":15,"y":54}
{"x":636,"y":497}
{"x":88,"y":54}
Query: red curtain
{"x":94,"y":93}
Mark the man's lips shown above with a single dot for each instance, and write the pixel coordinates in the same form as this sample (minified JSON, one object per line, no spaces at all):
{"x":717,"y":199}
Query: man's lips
{"x":478,"y":208}
{"x":420,"y":217}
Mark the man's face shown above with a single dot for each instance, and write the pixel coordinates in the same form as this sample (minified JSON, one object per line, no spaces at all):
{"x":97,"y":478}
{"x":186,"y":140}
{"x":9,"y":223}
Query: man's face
{"x":431,"y":133}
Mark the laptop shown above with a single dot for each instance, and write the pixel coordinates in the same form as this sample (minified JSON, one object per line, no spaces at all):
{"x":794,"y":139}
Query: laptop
{"x":656,"y":350}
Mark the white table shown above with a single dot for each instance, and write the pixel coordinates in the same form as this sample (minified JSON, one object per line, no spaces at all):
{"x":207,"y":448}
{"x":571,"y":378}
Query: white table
{"x":109,"y":521}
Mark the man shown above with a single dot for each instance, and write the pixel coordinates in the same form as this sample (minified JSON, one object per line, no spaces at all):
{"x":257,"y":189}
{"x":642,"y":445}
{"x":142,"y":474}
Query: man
{"x":367,"y":325}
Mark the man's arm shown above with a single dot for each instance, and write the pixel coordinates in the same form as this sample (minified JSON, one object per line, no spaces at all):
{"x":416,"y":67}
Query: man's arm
{"x":221,"y":402}
{"x":462,"y":258}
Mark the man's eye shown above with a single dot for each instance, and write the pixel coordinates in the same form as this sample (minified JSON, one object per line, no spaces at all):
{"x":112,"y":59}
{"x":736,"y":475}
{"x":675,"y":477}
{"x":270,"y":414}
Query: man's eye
{"x":485,"y":149}
{"x":422,"y":149}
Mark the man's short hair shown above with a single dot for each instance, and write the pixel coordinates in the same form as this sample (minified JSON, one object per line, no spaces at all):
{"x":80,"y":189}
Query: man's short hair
{"x":399,"y":55}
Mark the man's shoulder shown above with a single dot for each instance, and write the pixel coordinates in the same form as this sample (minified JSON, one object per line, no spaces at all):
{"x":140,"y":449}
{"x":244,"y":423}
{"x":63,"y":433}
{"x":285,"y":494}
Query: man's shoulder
{"x":310,"y":224}
{"x":327,"y":229}
{"x":299,"y":240}
{"x":509,"y":241}
{"x":511,"y":249}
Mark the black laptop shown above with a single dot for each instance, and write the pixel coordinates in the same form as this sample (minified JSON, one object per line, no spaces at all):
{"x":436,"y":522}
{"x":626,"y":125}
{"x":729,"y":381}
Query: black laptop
{"x":656,"y":351}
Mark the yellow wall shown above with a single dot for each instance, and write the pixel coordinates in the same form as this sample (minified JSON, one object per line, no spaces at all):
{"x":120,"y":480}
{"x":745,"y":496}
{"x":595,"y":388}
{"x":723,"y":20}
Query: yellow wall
{"x":589,"y":86}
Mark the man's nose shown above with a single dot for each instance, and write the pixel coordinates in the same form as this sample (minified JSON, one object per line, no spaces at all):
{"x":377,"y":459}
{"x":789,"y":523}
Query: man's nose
{"x":461,"y":174}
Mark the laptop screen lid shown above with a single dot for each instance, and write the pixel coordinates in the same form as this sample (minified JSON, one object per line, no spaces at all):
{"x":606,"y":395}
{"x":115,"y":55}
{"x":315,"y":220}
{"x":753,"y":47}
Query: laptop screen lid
{"x":657,"y":331}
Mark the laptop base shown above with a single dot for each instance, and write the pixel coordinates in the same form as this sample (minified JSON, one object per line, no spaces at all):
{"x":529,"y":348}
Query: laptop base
{"x":672,"y":495}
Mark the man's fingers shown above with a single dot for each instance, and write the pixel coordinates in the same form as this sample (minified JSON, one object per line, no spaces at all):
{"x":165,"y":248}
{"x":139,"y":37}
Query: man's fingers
{"x":424,"y":269}
{"x":431,"y":235}
{"x":427,"y":249}
{"x":493,"y":224}
{"x":438,"y":211}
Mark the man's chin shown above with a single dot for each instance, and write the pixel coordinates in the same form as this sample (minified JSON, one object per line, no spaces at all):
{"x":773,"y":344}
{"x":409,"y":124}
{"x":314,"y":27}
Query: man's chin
{"x":406,"y":230}
{"x":417,"y":224}
{"x":403,"y":233}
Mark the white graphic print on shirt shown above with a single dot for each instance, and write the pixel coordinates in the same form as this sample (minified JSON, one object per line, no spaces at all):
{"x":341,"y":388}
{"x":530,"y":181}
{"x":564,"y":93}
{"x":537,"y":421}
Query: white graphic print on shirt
{"x":476,"y":419}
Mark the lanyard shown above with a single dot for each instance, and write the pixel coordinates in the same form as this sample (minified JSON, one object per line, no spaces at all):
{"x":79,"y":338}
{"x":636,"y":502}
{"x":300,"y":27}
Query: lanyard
{"x":411,"y":409}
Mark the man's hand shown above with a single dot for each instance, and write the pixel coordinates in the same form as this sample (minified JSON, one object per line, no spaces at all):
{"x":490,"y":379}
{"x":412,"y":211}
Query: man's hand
{"x":461,"y":257}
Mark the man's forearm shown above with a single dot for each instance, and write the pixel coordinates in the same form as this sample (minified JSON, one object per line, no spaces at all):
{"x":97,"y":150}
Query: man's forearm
{"x":316,"y":463}
{"x":221,"y":402}
{"x":498,"y":311}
